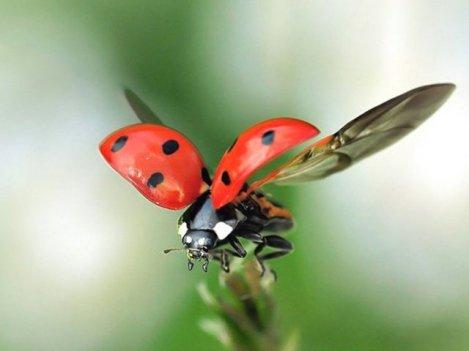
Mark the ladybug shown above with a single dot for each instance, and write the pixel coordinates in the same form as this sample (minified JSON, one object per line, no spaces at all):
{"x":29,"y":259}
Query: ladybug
{"x":166,"y":168}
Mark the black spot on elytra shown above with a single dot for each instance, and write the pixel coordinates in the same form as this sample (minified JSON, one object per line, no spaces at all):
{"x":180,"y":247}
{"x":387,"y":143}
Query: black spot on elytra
{"x":268,"y":137}
{"x":206,"y":176}
{"x":225,"y":178}
{"x":119,"y":143}
{"x":232,"y":145}
{"x":170,"y":147}
{"x":155,"y":179}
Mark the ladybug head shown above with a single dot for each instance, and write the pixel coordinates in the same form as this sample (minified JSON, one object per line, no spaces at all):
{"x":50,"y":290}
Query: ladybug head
{"x":199,"y":242}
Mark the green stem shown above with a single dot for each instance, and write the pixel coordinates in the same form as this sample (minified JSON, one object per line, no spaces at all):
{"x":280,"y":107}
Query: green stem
{"x":245,"y":312}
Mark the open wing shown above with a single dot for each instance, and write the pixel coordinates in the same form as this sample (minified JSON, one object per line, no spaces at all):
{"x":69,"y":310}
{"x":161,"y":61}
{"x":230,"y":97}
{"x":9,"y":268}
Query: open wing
{"x":369,"y":133}
{"x":256,"y":146}
{"x":160,"y":162}
{"x":143,"y":112}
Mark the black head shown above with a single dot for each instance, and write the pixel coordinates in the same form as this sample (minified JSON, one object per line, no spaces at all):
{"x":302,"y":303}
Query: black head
{"x":200,"y":240}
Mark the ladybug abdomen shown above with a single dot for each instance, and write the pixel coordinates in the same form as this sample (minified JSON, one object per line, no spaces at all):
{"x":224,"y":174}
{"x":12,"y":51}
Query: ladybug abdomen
{"x":270,"y":215}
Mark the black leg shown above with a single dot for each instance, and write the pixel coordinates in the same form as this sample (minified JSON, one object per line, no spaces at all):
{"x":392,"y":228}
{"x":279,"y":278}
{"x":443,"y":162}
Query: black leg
{"x":278,"y":242}
{"x":275,"y":254}
{"x":222,"y":257}
{"x":254,"y":237}
{"x":282,"y":245}
{"x":225,"y":261}
{"x":257,"y":251}
{"x":205,"y":264}
{"x":239,"y":249}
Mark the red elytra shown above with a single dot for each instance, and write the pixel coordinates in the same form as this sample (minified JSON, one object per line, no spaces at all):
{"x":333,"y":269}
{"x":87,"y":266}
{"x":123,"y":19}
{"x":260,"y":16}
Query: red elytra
{"x":255,"y":147}
{"x":159,"y":161}
{"x":274,"y":173}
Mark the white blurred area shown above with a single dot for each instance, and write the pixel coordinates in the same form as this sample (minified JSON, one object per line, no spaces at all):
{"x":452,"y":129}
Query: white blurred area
{"x":76,"y":273}
{"x":401,"y":234}
{"x":70,"y":254}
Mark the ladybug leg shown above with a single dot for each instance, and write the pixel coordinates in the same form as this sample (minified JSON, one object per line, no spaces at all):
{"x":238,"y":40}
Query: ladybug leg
{"x":239,"y":250}
{"x":222,"y":257}
{"x":225,"y":261}
{"x":205,"y":264}
{"x":190,"y":264}
{"x":278,"y":242}
{"x":256,"y":238}
{"x":257,"y":252}
{"x":281,"y":245}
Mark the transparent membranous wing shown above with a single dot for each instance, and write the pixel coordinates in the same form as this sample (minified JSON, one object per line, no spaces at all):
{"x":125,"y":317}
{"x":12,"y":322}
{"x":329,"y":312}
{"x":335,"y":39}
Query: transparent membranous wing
{"x":371,"y":132}
{"x":143,"y":112}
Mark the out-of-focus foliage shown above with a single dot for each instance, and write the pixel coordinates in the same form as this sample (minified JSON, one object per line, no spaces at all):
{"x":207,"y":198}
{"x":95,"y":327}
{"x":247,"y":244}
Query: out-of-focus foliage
{"x":245,"y":310}
{"x":381,"y":259}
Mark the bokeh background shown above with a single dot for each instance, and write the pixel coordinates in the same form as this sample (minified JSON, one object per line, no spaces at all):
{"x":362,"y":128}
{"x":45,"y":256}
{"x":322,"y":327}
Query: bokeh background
{"x":382,"y":250}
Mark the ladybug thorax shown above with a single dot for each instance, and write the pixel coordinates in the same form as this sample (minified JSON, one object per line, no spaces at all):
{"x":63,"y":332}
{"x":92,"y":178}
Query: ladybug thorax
{"x":201,"y":222}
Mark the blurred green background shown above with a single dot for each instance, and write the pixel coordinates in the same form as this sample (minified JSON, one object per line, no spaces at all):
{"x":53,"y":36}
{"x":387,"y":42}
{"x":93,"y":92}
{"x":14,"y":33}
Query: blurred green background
{"x":382,"y":251}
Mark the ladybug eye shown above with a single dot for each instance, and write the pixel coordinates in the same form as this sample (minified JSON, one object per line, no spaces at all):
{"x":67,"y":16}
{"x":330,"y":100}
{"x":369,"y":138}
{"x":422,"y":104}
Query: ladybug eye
{"x":160,"y":162}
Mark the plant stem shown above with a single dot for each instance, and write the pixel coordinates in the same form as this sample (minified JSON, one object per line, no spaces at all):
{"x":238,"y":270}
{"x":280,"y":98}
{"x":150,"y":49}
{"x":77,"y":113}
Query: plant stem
{"x":245,"y":312}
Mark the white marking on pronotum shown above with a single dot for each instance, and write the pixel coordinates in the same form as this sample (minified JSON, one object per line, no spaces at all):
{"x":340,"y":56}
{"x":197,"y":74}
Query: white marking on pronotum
{"x":222,"y":230}
{"x":182,"y":230}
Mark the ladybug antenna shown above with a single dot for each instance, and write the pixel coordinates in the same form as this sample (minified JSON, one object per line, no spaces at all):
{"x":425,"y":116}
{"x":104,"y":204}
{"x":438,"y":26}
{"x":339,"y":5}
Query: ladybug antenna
{"x":173,"y":249}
